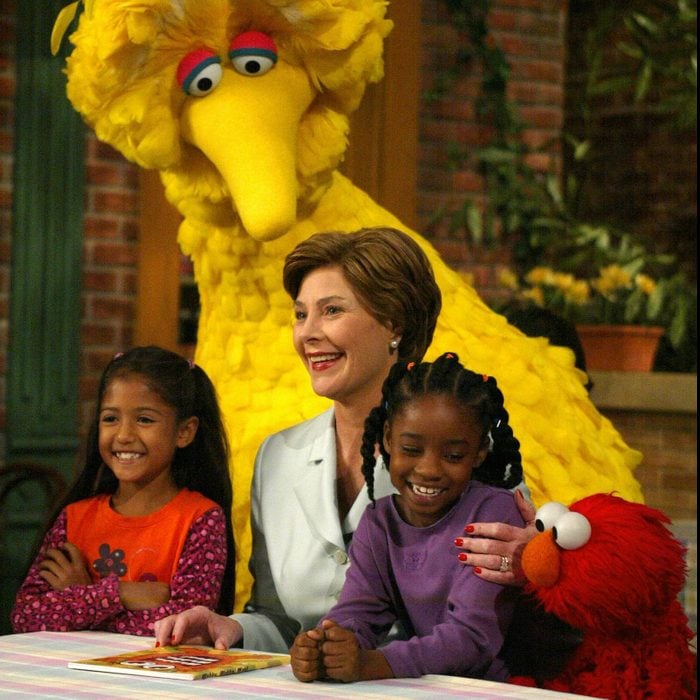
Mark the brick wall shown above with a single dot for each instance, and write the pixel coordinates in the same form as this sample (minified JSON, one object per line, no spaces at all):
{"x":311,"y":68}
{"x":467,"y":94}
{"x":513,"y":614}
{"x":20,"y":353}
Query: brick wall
{"x":109,"y":264}
{"x":532,"y":35}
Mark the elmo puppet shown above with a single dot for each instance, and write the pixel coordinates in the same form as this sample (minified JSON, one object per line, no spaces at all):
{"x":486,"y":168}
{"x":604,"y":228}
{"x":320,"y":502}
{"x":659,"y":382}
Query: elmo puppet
{"x":613,"y":570}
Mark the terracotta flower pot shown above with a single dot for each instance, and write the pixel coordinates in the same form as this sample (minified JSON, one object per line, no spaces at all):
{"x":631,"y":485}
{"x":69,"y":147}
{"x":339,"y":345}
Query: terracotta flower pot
{"x":618,"y":347}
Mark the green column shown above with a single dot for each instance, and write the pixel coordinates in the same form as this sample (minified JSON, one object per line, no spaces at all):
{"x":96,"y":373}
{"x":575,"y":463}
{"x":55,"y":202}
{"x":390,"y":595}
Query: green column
{"x":43,"y":352}
{"x":47,"y":229}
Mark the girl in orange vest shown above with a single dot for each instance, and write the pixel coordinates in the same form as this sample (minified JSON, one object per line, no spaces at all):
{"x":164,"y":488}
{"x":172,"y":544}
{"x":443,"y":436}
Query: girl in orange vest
{"x":145,"y":531}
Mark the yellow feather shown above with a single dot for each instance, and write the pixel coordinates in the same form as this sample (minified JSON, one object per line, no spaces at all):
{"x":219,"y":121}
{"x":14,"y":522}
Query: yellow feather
{"x":65,"y":17}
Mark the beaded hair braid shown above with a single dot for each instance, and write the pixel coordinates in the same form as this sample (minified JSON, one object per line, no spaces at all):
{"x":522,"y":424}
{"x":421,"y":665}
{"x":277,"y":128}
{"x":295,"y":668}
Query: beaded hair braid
{"x":446,"y":375}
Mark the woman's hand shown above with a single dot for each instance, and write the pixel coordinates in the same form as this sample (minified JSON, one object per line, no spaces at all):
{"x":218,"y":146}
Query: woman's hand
{"x":198,"y":625}
{"x":495,"y":549}
{"x":64,"y":567}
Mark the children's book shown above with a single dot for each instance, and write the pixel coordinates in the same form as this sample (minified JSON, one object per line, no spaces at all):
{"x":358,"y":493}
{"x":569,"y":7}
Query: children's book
{"x":183,"y":662}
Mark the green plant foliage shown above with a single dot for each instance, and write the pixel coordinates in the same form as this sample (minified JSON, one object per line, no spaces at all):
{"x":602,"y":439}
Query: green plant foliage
{"x":538,"y":215}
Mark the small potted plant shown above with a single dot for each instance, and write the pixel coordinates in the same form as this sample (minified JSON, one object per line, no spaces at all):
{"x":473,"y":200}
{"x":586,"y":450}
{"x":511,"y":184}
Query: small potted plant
{"x":620,"y":311}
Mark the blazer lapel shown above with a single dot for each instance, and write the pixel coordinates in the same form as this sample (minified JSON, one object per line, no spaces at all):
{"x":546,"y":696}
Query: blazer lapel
{"x":316,"y":490}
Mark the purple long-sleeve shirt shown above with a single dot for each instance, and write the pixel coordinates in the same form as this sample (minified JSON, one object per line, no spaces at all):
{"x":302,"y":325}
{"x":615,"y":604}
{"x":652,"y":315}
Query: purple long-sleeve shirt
{"x":455,"y":621}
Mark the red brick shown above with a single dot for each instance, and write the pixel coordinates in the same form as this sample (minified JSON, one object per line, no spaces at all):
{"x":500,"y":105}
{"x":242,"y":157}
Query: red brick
{"x":102,"y":281}
{"x":115,"y":201}
{"x":115,"y":254}
{"x":101,"y":227}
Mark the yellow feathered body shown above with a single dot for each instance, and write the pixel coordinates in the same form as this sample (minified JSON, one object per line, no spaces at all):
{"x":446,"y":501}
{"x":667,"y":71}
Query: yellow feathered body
{"x":252,"y":166}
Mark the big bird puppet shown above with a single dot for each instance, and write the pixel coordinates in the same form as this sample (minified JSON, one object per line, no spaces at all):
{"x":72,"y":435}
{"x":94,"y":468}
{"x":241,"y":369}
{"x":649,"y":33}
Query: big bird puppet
{"x":243,"y":107}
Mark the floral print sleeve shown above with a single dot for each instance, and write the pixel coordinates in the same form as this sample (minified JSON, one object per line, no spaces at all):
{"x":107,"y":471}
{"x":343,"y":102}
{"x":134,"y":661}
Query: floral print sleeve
{"x":39,"y":607}
{"x":197,"y":581}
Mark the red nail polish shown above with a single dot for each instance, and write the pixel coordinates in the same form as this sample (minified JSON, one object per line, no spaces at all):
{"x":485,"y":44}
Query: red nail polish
{"x":462,"y":556}
{"x":459,"y":542}
{"x":477,"y":569}
{"x":157,"y":644}
{"x":469,"y":528}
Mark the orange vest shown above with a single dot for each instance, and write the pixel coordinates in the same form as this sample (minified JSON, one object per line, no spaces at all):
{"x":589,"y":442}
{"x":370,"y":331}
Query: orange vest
{"x":143,"y":548}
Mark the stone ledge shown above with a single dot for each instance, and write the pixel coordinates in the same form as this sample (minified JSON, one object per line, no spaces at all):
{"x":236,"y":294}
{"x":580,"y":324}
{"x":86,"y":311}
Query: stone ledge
{"x":645,"y":391}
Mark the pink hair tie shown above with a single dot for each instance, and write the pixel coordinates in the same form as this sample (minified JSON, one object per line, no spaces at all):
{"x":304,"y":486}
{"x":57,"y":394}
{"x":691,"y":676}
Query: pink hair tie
{"x":410,"y":366}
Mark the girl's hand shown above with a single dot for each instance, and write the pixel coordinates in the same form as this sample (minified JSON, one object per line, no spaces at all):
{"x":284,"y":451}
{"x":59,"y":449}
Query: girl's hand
{"x":198,"y":625}
{"x":143,"y":595}
{"x":343,"y":659}
{"x":495,"y":549}
{"x":64,"y":567}
{"x":307,"y":664}
{"x":341,"y":653}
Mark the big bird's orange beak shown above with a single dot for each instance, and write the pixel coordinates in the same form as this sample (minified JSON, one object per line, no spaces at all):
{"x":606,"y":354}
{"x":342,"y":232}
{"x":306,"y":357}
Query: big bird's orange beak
{"x":541,"y":560}
{"x":248,"y":127}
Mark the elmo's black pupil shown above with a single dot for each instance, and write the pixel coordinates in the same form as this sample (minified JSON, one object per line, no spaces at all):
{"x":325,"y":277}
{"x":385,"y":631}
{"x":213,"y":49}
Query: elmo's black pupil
{"x":204,"y":84}
{"x":252,"y":66}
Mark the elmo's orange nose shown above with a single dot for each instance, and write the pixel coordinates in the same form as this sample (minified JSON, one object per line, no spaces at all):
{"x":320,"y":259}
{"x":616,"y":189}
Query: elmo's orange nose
{"x":541,"y":560}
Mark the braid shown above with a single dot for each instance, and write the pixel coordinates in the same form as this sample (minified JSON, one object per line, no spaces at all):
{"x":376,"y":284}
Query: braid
{"x":502,"y":465}
{"x":373,"y":436}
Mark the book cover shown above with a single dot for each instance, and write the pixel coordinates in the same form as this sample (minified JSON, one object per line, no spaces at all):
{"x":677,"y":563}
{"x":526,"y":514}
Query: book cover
{"x":183,"y":662}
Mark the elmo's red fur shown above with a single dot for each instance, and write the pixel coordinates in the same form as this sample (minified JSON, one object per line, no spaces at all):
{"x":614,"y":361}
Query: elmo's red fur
{"x":620,"y":589}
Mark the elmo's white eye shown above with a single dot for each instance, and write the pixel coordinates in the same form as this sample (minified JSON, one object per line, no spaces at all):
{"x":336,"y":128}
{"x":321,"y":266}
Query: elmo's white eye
{"x":547,"y":515}
{"x":253,"y":53}
{"x":572,"y":530}
{"x":199,"y":72}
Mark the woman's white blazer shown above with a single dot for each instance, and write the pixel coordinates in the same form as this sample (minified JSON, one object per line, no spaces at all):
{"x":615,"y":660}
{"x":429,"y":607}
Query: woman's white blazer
{"x":299,"y":558}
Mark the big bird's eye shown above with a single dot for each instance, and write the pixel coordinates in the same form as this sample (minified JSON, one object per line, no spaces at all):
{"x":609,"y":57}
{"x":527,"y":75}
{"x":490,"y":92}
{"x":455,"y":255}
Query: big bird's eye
{"x":547,"y":515}
{"x":199,"y":72}
{"x":572,"y":530}
{"x":253,"y":53}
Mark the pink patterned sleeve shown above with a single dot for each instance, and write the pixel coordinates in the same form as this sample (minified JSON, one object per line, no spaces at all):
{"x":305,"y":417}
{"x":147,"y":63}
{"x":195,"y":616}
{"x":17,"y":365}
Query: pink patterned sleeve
{"x":197,"y":580}
{"x":39,"y":607}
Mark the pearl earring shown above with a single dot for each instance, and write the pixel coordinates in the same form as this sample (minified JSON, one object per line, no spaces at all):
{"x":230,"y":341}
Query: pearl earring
{"x":394,"y":344}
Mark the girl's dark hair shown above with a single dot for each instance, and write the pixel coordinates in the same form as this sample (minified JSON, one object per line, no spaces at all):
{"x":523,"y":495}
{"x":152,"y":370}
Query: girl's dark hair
{"x":446,"y":375}
{"x":201,"y":466}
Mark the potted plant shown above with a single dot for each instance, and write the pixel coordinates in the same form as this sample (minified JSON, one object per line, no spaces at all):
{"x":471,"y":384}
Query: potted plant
{"x":620,"y":309}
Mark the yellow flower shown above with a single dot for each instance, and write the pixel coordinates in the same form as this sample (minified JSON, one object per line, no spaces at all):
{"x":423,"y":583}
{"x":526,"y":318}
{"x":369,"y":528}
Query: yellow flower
{"x":540,"y":275}
{"x":563,"y":280}
{"x":645,"y":283}
{"x":578,"y":293}
{"x":612,"y":278}
{"x":535,"y":295}
{"x":507,"y":278}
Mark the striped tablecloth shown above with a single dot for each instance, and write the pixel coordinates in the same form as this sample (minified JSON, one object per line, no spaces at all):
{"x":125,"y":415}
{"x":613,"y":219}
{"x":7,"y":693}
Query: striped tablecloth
{"x":35,"y":665}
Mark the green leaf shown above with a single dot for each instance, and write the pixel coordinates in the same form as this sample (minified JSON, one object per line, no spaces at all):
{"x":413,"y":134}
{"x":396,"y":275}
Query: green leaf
{"x":656,"y":299}
{"x":474,"y":222}
{"x":643,"y":81}
{"x":679,"y":324}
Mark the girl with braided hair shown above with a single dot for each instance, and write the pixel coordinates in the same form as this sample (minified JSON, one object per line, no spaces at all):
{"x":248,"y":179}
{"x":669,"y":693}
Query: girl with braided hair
{"x":444,"y":435}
